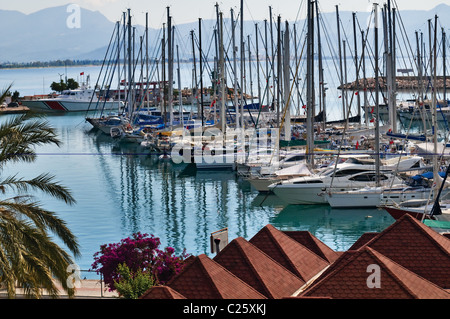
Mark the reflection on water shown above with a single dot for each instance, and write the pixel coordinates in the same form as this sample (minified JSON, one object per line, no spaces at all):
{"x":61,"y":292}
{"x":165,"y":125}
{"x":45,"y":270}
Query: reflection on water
{"x":120,"y":189}
{"x":338,"y":228}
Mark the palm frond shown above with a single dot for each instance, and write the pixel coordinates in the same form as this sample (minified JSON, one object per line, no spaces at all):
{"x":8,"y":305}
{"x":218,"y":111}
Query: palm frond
{"x":28,"y":255}
{"x":44,"y":220}
{"x":4,"y":93}
{"x":33,"y":255}
{"x":43,"y":182}
{"x":20,"y":134}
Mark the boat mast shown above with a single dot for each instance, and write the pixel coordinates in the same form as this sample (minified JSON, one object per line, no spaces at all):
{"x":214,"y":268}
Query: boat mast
{"x":358,"y":101}
{"x":235,"y":97}
{"x":194,"y":88}
{"x":309,"y":87}
{"x":266,"y":47}
{"x":444,"y":66}
{"x":286,"y":60}
{"x":322,"y":89}
{"x":170,"y":66}
{"x":257,"y":71}
{"x":434,"y":102}
{"x":147,"y":61}
{"x":118,"y":66}
{"x":279,"y":69}
{"x":340,"y":63}
{"x":130,"y":106}
{"x":366,"y":104}
{"x":272,"y":63}
{"x":201,"y":67}
{"x":377,"y":103}
{"x":180,"y":95}
{"x":420,"y":104}
{"x":242,"y":65}
{"x":222,"y":76}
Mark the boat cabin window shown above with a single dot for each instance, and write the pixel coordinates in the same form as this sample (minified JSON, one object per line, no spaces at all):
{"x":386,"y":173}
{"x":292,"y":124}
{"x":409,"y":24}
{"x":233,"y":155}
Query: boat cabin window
{"x":367,"y":177}
{"x":346,"y":172}
{"x":295,"y":158}
{"x":309,"y":182}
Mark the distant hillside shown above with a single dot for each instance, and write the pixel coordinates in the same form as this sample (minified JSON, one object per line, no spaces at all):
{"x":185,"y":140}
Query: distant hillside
{"x":44,"y":35}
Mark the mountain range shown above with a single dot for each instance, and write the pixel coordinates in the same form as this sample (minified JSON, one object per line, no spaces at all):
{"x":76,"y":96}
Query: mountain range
{"x":45,"y":35}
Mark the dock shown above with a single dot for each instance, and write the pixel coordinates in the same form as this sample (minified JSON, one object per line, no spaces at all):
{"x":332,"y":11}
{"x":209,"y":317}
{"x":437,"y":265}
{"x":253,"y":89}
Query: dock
{"x":14,"y":110}
{"x":88,"y":289}
{"x":402,"y":83}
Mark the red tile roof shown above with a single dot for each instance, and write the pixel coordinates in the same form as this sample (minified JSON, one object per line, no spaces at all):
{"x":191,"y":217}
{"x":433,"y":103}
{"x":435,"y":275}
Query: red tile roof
{"x":416,"y":247}
{"x":364,"y":239}
{"x":161,"y":292}
{"x":353,"y":278}
{"x":203,"y":278}
{"x":258,"y":270}
{"x":314,"y":244}
{"x":289,"y":253}
{"x":413,"y":261}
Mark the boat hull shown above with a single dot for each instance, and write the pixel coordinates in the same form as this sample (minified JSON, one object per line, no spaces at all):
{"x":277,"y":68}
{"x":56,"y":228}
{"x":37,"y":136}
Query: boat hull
{"x":397,"y":213}
{"x":349,"y":199}
{"x":374,"y":198}
{"x":262,"y":184}
{"x":301,"y":196}
{"x":56,"y":105}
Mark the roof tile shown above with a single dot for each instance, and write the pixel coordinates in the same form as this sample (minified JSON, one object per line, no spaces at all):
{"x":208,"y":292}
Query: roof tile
{"x":314,"y":244}
{"x":203,"y":278}
{"x":161,"y":292}
{"x":257,"y":269}
{"x":416,"y":247}
{"x":289,"y":253}
{"x":353,"y":279}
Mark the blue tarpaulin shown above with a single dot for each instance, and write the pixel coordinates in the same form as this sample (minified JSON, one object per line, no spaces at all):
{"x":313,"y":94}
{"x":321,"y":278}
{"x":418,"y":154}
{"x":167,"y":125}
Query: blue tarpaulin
{"x":428,"y":175}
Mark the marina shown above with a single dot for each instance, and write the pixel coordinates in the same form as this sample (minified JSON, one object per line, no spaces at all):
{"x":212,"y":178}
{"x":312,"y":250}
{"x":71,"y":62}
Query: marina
{"x":244,"y":140}
{"x":121,"y":190}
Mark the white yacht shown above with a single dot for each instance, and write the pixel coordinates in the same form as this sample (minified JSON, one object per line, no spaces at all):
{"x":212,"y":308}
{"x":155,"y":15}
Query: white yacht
{"x":377,"y":196}
{"x":83,"y":99}
{"x":342,"y":177}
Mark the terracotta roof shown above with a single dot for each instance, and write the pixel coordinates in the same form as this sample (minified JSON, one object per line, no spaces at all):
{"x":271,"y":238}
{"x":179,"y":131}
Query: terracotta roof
{"x":353,"y":279}
{"x":416,"y":247}
{"x":364,"y":239}
{"x":161,"y":292}
{"x":315,"y":245}
{"x":289,"y":253}
{"x":203,"y":278}
{"x":413,"y":261}
{"x":258,"y":270}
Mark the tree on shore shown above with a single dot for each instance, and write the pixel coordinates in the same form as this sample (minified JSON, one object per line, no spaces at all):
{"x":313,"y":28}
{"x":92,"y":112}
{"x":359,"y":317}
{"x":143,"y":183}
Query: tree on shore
{"x":29,"y":258}
{"x":61,"y":85}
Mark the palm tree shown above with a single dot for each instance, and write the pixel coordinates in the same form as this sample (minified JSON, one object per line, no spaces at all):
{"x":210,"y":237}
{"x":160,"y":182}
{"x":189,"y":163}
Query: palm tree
{"x":28,"y":256}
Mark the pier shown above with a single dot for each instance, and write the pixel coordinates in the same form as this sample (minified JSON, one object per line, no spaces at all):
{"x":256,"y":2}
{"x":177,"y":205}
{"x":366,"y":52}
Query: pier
{"x":402,"y":83}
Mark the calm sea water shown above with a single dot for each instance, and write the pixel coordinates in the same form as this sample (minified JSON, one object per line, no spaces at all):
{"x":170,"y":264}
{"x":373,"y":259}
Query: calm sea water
{"x":121,"y":190}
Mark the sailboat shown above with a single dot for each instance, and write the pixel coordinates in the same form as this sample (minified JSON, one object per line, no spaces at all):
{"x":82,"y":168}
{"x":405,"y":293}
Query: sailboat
{"x":420,"y":209}
{"x":438,"y":210}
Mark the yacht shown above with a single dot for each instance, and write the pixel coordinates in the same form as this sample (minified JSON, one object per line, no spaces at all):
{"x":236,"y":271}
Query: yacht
{"x":83,"y":99}
{"x":341,"y":177}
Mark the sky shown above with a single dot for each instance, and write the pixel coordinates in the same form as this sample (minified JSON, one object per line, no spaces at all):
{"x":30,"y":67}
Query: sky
{"x":183,"y":11}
